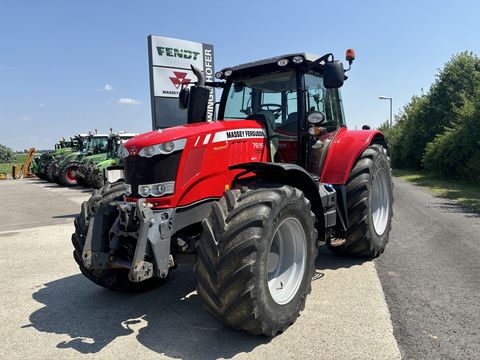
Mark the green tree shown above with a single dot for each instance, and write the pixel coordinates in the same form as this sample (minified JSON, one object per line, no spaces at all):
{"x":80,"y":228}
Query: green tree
{"x":425,"y":118}
{"x":6,"y":154}
{"x":455,"y":153}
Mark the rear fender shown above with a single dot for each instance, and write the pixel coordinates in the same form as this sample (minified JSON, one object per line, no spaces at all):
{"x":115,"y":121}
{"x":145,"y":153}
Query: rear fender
{"x":344,"y":151}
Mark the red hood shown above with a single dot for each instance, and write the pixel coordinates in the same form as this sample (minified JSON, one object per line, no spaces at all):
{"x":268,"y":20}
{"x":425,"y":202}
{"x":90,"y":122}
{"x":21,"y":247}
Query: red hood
{"x":185,"y":131}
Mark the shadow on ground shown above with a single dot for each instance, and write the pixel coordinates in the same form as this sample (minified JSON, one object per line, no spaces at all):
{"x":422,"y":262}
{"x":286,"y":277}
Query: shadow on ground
{"x":67,"y":216}
{"x":168,"y":320}
{"x":327,"y":260}
{"x":455,"y":207}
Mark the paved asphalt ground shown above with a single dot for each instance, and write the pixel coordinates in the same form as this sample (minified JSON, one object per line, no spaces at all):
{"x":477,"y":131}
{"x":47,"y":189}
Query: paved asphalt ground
{"x":429,"y":277}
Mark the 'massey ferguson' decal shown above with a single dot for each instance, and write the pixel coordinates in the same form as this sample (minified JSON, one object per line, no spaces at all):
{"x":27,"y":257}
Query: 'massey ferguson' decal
{"x":239,"y":134}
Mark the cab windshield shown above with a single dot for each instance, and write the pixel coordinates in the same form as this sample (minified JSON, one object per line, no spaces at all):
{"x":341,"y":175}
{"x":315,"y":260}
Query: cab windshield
{"x":98,"y":145}
{"x":271,"y":95}
{"x":275,"y":96}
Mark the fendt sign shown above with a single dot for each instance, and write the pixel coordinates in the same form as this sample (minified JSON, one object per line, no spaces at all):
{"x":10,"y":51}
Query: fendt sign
{"x":170,"y":61}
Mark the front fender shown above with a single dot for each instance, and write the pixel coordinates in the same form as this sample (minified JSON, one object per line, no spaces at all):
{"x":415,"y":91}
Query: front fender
{"x":344,"y":151}
{"x":287,"y":174}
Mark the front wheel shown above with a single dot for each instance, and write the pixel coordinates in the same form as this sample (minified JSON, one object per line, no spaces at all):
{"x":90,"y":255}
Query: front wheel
{"x":67,"y":174}
{"x":369,"y":204}
{"x":98,"y":180}
{"x":255,"y":258}
{"x":113,"y":279}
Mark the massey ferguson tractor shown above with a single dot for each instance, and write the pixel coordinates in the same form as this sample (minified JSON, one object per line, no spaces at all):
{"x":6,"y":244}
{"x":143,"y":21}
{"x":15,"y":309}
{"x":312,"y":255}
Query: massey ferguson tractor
{"x":248,"y":197}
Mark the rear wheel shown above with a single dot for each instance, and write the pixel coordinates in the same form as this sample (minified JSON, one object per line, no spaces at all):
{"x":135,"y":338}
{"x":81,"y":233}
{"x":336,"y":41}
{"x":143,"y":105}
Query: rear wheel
{"x":114,"y":279}
{"x":255,"y":258}
{"x":369,"y":204}
{"x":66,"y":175}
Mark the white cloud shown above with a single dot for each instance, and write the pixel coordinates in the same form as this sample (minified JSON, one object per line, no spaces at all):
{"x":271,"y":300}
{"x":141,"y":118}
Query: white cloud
{"x":128,"y":101}
{"x":42,"y":105}
{"x":107,"y":88}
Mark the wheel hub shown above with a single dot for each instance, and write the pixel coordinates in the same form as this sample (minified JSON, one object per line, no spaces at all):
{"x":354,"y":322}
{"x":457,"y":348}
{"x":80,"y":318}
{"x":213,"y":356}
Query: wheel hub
{"x":286,"y":260}
{"x":380,"y":204}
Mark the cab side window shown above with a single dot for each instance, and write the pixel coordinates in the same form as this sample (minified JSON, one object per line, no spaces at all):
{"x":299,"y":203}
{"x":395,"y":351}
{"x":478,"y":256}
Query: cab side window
{"x":325,"y":100}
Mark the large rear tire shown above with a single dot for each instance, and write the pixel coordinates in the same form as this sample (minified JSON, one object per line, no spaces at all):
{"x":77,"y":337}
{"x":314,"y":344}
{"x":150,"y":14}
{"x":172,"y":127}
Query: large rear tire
{"x":114,"y":279}
{"x":255,"y":258}
{"x":369,"y":204}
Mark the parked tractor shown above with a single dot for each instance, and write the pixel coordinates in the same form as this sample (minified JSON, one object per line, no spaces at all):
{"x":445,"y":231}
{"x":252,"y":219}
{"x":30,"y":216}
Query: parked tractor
{"x":112,"y":165}
{"x":44,"y":170}
{"x":92,"y":168}
{"x":249,"y":197}
{"x":67,"y":167}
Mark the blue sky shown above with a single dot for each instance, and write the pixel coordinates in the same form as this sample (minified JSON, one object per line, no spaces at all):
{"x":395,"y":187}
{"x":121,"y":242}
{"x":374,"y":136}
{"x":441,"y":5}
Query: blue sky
{"x":65,"y":65}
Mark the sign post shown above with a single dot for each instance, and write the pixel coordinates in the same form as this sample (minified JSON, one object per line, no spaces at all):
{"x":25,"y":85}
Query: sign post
{"x":169,"y":66}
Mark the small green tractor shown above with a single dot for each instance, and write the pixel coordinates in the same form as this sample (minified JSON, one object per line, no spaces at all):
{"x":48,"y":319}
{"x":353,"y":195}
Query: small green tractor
{"x":67,"y":167}
{"x":92,"y":170}
{"x":43,"y":163}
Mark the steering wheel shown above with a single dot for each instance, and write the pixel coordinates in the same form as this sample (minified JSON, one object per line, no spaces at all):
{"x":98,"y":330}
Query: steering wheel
{"x":276,"y":109}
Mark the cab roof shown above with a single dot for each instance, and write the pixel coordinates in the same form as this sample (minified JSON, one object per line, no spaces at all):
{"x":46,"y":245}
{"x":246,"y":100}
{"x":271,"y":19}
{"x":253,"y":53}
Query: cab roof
{"x":309,"y":57}
{"x":124,"y":135}
{"x":270,"y":64}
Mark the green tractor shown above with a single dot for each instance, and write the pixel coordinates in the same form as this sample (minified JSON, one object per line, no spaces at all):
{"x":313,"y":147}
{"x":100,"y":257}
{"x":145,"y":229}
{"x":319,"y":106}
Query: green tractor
{"x":93,"y":167}
{"x":67,"y":167}
{"x":78,"y":144}
{"x":43,"y":168}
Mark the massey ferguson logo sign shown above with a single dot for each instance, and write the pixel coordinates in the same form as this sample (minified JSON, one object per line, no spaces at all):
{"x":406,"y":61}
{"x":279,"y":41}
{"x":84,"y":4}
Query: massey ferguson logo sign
{"x":170,"y":69}
{"x":180,"y":79}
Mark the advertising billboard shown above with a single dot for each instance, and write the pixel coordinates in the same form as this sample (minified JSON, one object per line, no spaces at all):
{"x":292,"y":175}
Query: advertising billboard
{"x":169,"y":66}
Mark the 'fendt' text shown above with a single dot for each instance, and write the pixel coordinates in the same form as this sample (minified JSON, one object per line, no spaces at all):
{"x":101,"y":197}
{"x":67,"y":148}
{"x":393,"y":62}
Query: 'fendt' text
{"x":179,"y":53}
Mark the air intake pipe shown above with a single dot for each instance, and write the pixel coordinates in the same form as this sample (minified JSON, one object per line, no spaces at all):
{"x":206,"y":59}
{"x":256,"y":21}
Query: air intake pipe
{"x":195,"y":99}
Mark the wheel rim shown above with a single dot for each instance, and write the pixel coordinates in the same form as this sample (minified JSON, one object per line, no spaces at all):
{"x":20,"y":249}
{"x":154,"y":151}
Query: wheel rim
{"x":380,"y":201}
{"x":71,"y":175}
{"x":286,"y":260}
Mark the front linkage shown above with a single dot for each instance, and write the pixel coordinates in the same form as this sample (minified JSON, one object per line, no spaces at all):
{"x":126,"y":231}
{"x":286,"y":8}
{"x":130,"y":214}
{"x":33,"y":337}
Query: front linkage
{"x":137,"y":221}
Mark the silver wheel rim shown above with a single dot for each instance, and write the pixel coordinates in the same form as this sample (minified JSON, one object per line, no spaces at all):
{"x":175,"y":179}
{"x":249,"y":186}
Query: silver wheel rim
{"x":380,"y":201}
{"x":286,"y":260}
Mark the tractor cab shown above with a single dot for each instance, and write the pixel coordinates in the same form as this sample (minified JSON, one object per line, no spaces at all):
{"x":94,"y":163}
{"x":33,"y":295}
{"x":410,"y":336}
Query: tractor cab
{"x":295,"y":96}
{"x":116,"y":142}
{"x":98,"y":144}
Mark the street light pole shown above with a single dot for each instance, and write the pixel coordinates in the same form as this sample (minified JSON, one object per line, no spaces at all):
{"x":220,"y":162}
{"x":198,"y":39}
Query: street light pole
{"x":391,"y":114}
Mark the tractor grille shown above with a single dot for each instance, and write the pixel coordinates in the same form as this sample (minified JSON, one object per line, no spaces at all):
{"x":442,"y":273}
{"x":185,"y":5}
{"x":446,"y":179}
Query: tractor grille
{"x":156,"y":169}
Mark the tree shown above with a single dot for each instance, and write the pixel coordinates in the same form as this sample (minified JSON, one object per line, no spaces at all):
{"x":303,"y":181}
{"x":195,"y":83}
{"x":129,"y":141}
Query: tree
{"x":6,"y":154}
{"x":442,"y":111}
{"x":455,"y":153}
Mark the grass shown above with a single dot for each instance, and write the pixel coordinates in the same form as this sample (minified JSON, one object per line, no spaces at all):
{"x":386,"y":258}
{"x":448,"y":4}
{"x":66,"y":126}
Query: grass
{"x":7,"y":167}
{"x":465,"y":193}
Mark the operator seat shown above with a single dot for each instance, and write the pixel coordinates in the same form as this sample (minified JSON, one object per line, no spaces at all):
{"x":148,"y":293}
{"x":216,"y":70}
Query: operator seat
{"x":291,"y":124}
{"x":267,"y":118}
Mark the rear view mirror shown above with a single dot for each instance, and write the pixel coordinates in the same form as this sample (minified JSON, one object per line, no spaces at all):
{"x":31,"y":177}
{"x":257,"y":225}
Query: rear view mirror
{"x":333,"y":74}
{"x":183,"y":98}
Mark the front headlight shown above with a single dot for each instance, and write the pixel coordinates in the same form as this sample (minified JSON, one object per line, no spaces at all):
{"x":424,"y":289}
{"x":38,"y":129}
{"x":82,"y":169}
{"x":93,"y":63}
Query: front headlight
{"x":163,"y":148}
{"x":158,"y":189}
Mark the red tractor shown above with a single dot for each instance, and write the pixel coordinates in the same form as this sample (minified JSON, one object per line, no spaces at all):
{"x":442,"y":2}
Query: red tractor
{"x":249,"y":198}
